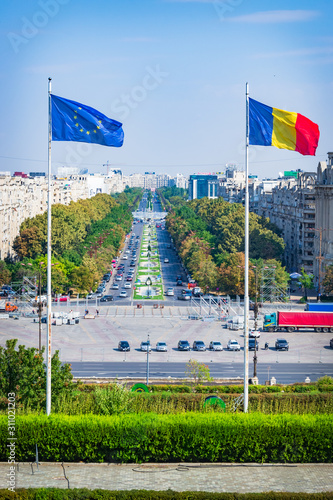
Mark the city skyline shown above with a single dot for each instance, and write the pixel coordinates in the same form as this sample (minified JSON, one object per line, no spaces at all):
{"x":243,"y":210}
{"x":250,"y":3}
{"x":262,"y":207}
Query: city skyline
{"x":172,"y":71}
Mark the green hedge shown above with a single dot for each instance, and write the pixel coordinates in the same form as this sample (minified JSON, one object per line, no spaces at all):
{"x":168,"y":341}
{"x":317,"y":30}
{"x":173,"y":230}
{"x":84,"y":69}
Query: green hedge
{"x":84,"y":494}
{"x":111,"y":403}
{"x":192,"y":437}
{"x":238,"y":389}
{"x":265,"y":403}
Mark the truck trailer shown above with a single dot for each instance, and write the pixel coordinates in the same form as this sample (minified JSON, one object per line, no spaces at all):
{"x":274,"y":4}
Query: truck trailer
{"x":319,"y":306}
{"x":290,"y":321}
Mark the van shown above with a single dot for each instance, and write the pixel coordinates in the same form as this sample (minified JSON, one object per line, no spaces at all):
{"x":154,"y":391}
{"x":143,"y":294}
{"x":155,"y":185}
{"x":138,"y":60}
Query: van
{"x":237,"y":323}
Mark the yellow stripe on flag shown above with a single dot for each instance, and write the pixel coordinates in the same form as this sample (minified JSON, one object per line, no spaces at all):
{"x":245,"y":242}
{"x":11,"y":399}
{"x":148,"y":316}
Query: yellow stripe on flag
{"x":284,"y":131}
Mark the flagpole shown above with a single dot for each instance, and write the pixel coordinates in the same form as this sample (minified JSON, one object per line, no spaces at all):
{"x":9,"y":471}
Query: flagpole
{"x":246,"y":288}
{"x":49,"y":202}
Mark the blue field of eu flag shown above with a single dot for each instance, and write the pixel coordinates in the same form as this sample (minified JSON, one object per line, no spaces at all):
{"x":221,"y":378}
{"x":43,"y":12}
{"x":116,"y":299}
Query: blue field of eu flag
{"x":72,"y":121}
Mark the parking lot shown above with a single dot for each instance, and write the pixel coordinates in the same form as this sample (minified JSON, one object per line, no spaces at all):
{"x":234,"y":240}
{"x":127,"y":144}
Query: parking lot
{"x":97,"y":339}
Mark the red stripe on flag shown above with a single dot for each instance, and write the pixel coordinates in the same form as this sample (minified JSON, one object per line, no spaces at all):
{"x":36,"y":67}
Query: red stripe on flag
{"x":307,"y":135}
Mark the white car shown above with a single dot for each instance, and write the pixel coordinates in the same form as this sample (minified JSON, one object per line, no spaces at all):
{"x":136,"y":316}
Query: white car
{"x":145,"y":346}
{"x":125,"y":257}
{"x":161,"y":347}
{"x":115,"y":286}
{"x":170,"y":292}
{"x":119,"y":278}
{"x":123,"y":294}
{"x":233,"y":345}
{"x":166,"y":261}
{"x":254,"y":334}
{"x":215,"y":346}
{"x":127,"y":285}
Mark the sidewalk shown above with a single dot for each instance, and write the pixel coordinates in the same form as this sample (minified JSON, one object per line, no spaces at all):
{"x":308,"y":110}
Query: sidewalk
{"x":216,"y":477}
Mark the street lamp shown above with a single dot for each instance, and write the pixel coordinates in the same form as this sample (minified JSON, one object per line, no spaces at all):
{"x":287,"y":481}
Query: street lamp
{"x":149,"y":283}
{"x":148,"y":348}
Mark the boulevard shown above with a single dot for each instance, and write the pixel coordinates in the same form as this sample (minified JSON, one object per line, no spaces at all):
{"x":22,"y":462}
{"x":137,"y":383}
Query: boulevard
{"x":91,"y":346}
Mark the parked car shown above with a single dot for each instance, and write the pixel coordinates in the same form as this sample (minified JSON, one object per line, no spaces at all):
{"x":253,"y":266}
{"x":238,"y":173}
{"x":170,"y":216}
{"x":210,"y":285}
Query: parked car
{"x":179,"y":282}
{"x":233,"y":345}
{"x":63,"y":298}
{"x":129,"y":278}
{"x":115,"y":286}
{"x":145,"y":346}
{"x":183,"y":345}
{"x":215,"y":346}
{"x":331,"y":343}
{"x":127,"y":285}
{"x":123,"y":294}
{"x":253,"y":344}
{"x":166,"y":261}
{"x":91,"y":296}
{"x":119,"y":277}
{"x":199,"y":345}
{"x":184,"y":297}
{"x":170,"y":292}
{"x":124,"y":257}
{"x":281,"y":345}
{"x":254,"y":334}
{"x":124,"y":346}
{"x":161,"y":347}
{"x":107,"y":298}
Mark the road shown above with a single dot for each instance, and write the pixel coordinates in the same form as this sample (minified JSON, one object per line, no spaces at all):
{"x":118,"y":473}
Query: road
{"x":94,"y":342}
{"x":285,"y":373}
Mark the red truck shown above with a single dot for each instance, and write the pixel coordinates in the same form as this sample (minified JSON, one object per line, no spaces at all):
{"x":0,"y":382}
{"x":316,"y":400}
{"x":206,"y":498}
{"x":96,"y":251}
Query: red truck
{"x":290,"y":321}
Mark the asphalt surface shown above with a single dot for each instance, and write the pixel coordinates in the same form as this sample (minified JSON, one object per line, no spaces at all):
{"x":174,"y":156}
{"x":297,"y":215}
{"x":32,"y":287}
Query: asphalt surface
{"x":95,"y":341}
{"x":285,"y":373}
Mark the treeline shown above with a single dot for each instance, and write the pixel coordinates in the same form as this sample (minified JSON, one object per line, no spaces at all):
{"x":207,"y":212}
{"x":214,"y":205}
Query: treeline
{"x":172,"y":197}
{"x":86,"y":235}
{"x":209,"y":236}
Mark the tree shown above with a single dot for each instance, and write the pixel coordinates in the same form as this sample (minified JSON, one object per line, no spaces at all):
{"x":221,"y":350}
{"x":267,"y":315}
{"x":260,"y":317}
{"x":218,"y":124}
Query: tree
{"x":23,"y":372}
{"x":5,"y":274}
{"x":82,"y":279}
{"x":328,"y":280}
{"x":197,"y":371}
{"x":307,"y":282}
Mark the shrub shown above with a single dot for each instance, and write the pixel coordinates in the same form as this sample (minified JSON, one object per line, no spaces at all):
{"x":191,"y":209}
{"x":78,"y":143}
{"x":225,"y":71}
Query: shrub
{"x":192,"y":437}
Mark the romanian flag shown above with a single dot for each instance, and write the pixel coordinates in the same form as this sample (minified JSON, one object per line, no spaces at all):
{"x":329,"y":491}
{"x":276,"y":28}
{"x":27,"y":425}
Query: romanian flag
{"x":282,"y":129}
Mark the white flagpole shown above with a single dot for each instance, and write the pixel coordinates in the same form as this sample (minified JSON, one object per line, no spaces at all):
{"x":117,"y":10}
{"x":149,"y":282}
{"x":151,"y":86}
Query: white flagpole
{"x":49,"y":202}
{"x":246,"y":290}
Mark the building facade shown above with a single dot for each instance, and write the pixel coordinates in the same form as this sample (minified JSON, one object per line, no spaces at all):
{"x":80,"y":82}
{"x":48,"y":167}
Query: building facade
{"x":324,"y":219}
{"x":203,"y":185}
{"x":290,"y":205}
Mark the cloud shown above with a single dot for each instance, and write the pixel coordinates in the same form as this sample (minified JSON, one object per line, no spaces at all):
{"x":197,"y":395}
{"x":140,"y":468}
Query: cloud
{"x":277,"y":16}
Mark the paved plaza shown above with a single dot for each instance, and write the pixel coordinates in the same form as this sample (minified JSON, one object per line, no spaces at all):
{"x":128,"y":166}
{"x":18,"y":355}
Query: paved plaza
{"x":97,"y":339}
{"x":218,"y":477}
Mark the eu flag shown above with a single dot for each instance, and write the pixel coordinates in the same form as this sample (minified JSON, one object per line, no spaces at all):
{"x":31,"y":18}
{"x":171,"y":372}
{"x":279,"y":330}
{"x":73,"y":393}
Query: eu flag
{"x":72,"y":121}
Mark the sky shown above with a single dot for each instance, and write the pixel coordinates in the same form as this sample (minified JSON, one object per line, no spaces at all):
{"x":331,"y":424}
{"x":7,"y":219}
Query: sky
{"x":172,"y":71}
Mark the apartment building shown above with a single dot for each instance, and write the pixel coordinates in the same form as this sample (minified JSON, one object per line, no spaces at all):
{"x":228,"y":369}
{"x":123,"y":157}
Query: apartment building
{"x":290,"y":204}
{"x":324,"y":218}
